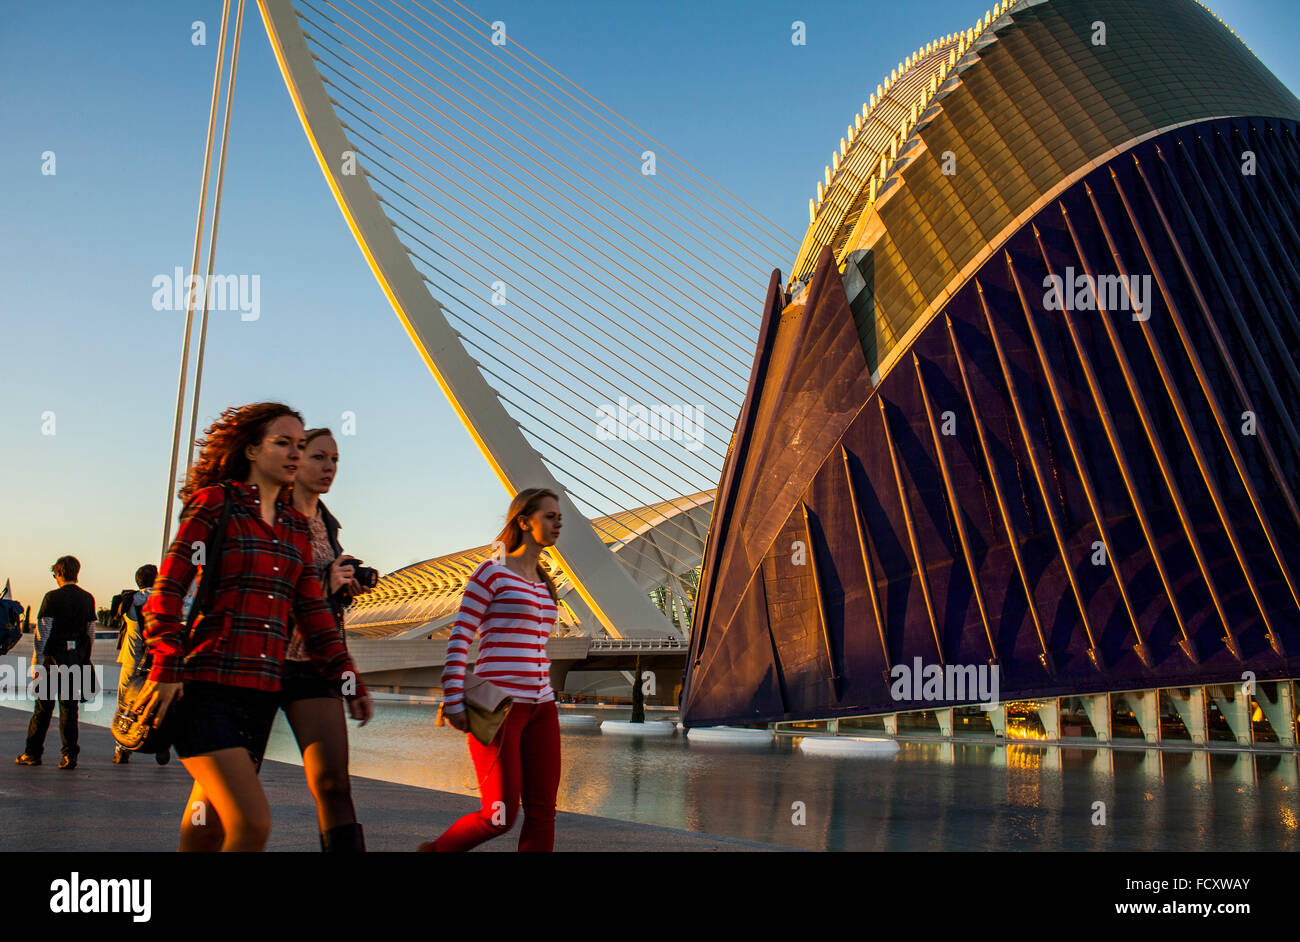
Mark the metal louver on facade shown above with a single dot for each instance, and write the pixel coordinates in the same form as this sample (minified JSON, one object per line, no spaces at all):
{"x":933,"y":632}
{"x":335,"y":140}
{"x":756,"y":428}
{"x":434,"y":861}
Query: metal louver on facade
{"x":1094,"y":498}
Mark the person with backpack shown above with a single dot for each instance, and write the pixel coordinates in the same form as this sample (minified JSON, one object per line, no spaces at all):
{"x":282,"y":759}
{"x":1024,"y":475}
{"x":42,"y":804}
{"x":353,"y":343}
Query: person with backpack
{"x":10,"y":633}
{"x":130,"y":653}
{"x":221,"y":676}
{"x":117,"y":608}
{"x":11,"y":618}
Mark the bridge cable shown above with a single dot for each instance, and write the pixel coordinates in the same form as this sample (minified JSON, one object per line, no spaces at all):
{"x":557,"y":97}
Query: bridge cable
{"x":478,"y":138}
{"x":614,"y":163}
{"x":567,"y":307}
{"x":717,"y":188}
{"x":378,"y":131}
{"x":522,"y":308}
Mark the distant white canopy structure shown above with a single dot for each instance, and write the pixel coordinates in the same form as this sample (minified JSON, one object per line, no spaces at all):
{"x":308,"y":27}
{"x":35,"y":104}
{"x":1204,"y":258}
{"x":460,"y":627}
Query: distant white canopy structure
{"x":420,"y":600}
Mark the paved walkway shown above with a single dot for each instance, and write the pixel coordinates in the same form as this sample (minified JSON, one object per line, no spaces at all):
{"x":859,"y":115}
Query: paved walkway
{"x":137,"y":807}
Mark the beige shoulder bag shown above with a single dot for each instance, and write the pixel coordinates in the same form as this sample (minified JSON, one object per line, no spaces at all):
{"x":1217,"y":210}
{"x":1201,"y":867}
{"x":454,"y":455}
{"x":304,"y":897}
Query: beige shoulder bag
{"x":486,"y":706}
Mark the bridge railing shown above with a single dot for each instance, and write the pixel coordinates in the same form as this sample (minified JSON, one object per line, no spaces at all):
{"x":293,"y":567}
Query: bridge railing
{"x":644,"y":644}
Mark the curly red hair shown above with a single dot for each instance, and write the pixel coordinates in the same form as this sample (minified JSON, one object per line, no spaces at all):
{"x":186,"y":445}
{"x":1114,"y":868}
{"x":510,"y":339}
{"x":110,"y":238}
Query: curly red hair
{"x":221,"y":455}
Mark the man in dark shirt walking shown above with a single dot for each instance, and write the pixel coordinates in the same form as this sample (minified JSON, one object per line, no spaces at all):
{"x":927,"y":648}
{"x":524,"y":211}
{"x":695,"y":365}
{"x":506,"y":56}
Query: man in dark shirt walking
{"x":65,"y":633}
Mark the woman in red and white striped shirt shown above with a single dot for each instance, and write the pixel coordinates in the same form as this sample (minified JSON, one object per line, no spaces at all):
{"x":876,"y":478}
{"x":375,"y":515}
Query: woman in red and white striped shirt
{"x":510,"y":603}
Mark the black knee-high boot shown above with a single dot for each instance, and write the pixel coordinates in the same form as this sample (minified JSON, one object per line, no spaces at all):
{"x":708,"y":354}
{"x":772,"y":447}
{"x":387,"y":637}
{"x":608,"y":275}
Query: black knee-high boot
{"x":346,"y":838}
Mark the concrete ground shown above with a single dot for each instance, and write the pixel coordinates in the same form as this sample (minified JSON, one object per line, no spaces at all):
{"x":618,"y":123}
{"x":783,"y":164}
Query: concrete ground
{"x":137,"y":807}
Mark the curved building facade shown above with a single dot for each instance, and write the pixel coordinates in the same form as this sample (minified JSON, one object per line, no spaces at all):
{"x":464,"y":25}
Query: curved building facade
{"x":1026,"y":403}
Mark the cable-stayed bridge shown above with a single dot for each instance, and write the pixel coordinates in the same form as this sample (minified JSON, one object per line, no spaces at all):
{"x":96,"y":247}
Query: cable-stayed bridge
{"x":586,"y":299}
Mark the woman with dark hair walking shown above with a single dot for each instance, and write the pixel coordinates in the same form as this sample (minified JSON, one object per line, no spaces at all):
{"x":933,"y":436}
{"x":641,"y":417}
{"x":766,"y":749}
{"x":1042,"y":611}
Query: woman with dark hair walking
{"x":222,"y":677}
{"x":311,"y":701}
{"x":510,"y":603}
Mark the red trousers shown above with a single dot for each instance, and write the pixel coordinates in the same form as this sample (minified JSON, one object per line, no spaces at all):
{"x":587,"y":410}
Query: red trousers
{"x":521,"y":764}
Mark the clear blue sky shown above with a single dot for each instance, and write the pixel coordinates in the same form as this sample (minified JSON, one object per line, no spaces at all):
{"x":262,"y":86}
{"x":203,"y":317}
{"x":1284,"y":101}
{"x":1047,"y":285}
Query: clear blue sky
{"x":120,"y":95}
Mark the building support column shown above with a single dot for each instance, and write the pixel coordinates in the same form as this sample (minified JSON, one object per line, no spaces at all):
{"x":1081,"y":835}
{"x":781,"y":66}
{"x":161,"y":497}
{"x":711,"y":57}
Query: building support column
{"x":1145,"y":705}
{"x":1235,"y":710}
{"x":1190,"y":704}
{"x":945,"y":721}
{"x":891,"y":724}
{"x":1097,"y":706}
{"x":998,"y":718}
{"x":1276,"y":700}
{"x":1050,"y":716}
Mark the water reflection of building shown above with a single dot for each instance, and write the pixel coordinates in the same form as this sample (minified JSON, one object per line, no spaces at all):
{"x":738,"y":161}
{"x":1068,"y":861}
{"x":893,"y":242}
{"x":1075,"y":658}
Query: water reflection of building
{"x":1026,"y":399}
{"x":945,"y":796}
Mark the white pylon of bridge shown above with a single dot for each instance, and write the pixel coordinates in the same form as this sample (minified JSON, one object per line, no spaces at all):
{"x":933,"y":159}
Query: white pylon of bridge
{"x":612,"y":302}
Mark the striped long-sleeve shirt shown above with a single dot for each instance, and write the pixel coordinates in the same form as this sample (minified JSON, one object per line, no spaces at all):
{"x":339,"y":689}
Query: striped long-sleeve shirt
{"x":514,"y":616}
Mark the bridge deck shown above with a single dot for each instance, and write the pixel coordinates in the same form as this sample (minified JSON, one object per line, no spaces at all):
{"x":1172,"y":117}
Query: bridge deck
{"x":372,"y":656}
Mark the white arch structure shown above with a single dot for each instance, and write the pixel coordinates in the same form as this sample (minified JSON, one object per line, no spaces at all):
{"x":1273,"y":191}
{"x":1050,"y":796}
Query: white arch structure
{"x":605,"y":587}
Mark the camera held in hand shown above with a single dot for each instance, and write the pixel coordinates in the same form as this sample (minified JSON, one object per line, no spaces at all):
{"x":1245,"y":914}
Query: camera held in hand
{"x":365,"y":575}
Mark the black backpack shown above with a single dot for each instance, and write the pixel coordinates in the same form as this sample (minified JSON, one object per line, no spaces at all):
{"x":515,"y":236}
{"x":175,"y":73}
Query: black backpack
{"x":9,"y":634}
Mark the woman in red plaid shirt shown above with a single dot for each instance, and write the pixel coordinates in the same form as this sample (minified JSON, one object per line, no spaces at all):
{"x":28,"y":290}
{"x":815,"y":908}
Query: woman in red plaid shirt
{"x":223,"y":679}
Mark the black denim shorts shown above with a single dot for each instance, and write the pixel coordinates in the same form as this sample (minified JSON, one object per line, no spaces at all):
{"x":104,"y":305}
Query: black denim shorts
{"x":301,"y":681}
{"x":217,"y":716}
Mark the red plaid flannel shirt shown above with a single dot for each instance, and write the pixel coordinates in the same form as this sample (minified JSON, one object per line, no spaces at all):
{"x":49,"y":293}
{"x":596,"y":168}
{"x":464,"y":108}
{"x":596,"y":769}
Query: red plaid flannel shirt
{"x":266,"y":577}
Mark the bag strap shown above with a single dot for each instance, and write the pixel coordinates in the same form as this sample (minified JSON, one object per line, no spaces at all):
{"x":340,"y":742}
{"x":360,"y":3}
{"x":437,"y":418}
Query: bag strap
{"x":207,"y":581}
{"x":212,"y":565}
